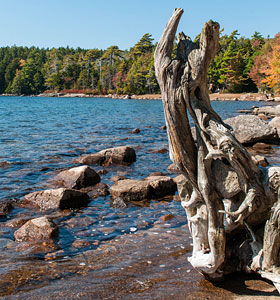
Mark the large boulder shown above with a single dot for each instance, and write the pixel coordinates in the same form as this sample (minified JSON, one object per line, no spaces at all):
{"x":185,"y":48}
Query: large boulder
{"x":249,"y":129}
{"x":77,"y":178}
{"x":58,"y":198}
{"x":226,"y":179}
{"x":123,"y":155}
{"x":37,"y":229}
{"x":152,"y":187}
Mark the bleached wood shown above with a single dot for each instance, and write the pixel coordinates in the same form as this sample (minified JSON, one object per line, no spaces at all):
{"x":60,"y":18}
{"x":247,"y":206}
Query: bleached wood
{"x":214,"y":222}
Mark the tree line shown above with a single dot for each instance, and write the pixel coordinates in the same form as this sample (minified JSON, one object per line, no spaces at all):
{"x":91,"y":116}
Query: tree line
{"x":241,"y":65}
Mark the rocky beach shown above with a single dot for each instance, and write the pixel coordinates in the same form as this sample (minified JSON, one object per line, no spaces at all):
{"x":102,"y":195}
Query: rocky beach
{"x":89,"y":208}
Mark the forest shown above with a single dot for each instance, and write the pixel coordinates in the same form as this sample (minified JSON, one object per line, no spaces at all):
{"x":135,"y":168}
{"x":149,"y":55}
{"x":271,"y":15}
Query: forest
{"x":241,"y":65}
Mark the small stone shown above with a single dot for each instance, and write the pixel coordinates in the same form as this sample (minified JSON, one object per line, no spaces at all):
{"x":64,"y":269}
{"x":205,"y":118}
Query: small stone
{"x":167,"y":217}
{"x":162,"y":151}
{"x":117,"y":178}
{"x":102,"y":172}
{"x":173,"y":169}
{"x":157,"y":174}
{"x":263,"y":117}
{"x":135,"y":131}
{"x":81,"y":244}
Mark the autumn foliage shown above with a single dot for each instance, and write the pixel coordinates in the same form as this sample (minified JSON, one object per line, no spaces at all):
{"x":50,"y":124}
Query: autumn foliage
{"x":241,"y":65}
{"x":266,"y":70}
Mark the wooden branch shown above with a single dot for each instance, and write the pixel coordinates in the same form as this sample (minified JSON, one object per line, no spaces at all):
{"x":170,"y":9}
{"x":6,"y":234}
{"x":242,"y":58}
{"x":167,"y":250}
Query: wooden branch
{"x":184,"y":87}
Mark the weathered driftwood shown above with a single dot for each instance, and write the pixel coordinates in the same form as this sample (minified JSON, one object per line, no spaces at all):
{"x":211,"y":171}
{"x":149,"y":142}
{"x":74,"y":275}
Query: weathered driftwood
{"x":235,"y":229}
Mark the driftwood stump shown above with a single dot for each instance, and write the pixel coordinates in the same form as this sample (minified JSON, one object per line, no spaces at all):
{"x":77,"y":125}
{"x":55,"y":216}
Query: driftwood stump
{"x":233,"y":217}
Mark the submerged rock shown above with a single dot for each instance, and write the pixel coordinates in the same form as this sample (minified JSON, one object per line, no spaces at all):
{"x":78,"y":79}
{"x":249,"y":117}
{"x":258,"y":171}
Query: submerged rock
{"x":99,"y":190}
{"x":135,"y":131}
{"x":251,"y":129}
{"x":77,"y":178}
{"x":37,"y":229}
{"x":117,"y":178}
{"x":5,"y":208}
{"x":123,"y":155}
{"x":58,"y":198}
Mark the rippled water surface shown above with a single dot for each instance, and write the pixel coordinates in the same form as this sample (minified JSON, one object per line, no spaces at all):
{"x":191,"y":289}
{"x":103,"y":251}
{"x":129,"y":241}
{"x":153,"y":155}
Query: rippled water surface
{"x":41,"y":136}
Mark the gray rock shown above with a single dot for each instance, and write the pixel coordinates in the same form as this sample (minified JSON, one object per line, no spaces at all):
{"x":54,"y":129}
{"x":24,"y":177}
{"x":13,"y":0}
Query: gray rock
{"x":226,"y":179}
{"x":273,"y":111}
{"x":131,"y":190}
{"x":123,"y":155}
{"x":161,"y":186}
{"x":275,"y":122}
{"x":58,"y":198}
{"x":77,"y":178}
{"x":152,"y":187}
{"x":37,"y":230}
{"x":251,"y":129}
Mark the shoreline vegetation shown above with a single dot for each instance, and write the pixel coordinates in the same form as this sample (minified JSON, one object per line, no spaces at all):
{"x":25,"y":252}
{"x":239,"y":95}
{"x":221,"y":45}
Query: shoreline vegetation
{"x":242,"y":65}
{"x":213,"y":96}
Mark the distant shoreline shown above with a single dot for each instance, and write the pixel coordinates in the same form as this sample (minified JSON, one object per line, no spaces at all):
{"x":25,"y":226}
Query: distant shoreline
{"x":214,"y":96}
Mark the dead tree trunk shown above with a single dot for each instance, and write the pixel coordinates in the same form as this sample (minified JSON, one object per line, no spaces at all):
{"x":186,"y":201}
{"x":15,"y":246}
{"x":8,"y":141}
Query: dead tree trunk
{"x":227,"y":225}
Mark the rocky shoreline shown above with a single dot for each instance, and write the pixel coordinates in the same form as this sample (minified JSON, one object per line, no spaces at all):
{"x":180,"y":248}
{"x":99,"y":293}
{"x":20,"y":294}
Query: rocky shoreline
{"x":161,"y":268}
{"x":214,"y":96}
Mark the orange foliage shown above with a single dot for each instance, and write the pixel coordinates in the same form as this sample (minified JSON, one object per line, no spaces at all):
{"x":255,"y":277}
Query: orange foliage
{"x":266,"y":70}
{"x":272,"y":70}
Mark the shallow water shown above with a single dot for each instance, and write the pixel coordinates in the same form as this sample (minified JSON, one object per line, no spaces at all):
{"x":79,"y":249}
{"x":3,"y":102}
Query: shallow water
{"x":41,"y":136}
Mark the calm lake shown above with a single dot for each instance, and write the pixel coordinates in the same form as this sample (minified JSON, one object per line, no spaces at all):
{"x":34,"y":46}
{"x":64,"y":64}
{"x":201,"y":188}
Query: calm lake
{"x":39,"y":137}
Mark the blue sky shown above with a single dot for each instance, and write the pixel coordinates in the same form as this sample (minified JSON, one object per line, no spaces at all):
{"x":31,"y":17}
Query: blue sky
{"x":100,"y":24}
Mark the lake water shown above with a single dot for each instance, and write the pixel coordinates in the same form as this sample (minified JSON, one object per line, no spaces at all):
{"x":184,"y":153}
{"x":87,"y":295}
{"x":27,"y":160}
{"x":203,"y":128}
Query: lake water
{"x":41,"y":136}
